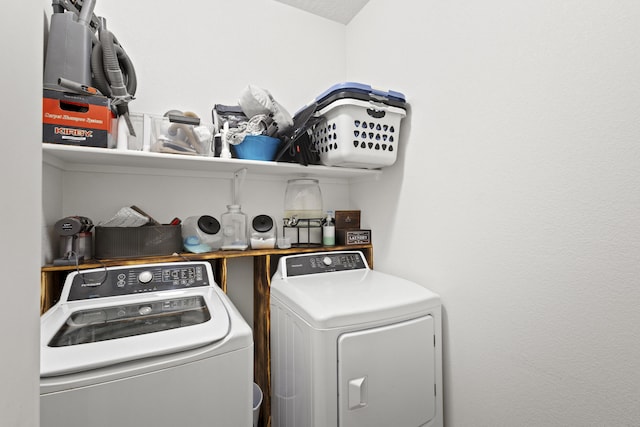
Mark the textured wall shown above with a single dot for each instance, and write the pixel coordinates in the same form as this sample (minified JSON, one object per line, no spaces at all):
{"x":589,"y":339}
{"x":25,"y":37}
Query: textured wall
{"x":516,"y":197}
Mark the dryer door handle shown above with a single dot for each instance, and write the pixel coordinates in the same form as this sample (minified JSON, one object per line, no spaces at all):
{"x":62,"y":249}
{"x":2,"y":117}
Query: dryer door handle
{"x":358,"y":393}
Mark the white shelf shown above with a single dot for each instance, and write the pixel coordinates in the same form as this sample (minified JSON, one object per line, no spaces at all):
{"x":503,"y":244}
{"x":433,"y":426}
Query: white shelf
{"x":80,"y":158}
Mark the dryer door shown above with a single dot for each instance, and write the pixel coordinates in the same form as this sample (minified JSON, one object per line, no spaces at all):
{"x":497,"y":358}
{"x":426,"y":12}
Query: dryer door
{"x":386,"y":375}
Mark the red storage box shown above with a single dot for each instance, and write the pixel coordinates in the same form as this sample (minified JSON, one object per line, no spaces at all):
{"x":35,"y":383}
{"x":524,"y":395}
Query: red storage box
{"x":73,"y":119}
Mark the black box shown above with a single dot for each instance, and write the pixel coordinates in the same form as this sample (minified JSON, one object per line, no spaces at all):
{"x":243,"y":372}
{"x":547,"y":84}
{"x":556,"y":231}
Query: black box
{"x":353,"y":237}
{"x":347,"y":220}
{"x":131,"y":242}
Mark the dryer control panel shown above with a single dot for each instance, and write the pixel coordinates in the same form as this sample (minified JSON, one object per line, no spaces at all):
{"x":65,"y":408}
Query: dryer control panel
{"x":323,"y":262}
{"x":113,"y":281}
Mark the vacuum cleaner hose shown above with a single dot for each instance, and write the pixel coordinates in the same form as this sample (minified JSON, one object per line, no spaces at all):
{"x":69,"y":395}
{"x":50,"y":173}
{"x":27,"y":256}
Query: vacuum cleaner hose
{"x":113,"y":72}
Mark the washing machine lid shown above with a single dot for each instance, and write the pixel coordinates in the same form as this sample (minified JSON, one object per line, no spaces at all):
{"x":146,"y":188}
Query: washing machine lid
{"x":79,"y":338}
{"x":119,"y":318}
{"x":344,"y":298}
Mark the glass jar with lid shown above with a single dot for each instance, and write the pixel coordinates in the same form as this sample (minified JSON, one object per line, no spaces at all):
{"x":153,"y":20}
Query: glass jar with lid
{"x":234,"y":229}
{"x":303,"y":199}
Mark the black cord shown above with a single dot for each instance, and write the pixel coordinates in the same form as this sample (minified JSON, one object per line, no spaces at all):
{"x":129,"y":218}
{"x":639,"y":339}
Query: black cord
{"x":104,"y":278}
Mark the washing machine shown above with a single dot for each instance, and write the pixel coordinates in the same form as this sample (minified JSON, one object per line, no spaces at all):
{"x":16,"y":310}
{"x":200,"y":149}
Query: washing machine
{"x":145,"y":345}
{"x":352,"y":347}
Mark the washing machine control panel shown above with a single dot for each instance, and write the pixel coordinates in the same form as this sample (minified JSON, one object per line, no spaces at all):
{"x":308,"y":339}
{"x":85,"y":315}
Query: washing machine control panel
{"x":113,"y":281}
{"x":302,"y":265}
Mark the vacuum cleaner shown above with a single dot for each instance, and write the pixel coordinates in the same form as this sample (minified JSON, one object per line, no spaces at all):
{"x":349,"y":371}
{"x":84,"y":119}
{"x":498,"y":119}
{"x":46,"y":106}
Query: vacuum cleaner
{"x":83,"y":56}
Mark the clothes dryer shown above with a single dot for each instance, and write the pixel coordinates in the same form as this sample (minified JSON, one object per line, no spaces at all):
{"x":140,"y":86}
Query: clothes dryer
{"x":352,"y":347}
{"x":146,"y":345}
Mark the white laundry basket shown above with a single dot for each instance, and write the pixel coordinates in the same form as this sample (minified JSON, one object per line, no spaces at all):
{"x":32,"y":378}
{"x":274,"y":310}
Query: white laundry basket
{"x":359,"y":127}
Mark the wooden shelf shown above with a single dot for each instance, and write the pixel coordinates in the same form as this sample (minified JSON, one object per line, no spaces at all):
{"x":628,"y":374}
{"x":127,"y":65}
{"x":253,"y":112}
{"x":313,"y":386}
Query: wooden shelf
{"x":52,"y":276}
{"x":264,"y":265}
{"x":202,"y":256}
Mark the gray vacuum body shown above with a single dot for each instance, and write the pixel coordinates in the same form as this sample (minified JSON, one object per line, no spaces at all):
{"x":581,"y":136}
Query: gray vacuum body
{"x":68,"y":51}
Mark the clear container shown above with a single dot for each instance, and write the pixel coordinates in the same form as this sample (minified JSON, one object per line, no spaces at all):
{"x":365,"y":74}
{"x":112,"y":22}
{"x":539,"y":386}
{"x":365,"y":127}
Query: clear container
{"x":234,"y":229}
{"x":180,"y":135}
{"x":303,"y":199}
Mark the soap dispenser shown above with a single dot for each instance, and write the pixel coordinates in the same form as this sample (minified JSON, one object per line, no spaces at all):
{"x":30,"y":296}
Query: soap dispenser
{"x":329,"y":230}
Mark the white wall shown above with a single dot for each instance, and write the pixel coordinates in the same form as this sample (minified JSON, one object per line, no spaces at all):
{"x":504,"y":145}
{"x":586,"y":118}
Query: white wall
{"x":21,"y":34}
{"x":195,"y":54}
{"x":516,"y":197}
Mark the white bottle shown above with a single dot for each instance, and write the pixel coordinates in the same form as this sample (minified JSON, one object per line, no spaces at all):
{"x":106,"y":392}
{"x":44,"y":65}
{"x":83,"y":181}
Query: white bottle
{"x":329,"y":230}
